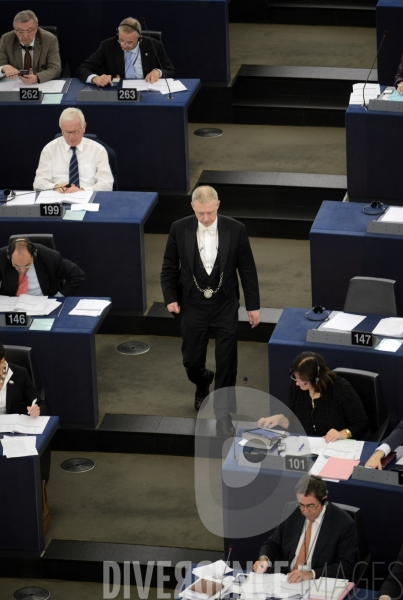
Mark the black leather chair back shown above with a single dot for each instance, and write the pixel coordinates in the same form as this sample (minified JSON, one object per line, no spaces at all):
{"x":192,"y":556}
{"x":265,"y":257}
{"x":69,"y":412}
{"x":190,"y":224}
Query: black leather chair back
{"x":46,"y":239}
{"x":373,"y":296}
{"x":65,"y":66}
{"x":23,"y":356}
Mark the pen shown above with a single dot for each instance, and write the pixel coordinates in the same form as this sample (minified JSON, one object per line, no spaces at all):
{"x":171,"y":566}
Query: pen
{"x":33,"y":402}
{"x":300,"y":448}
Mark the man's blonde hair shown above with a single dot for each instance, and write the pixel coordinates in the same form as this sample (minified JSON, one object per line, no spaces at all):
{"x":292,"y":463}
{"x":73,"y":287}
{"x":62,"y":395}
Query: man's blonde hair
{"x":204,"y":194}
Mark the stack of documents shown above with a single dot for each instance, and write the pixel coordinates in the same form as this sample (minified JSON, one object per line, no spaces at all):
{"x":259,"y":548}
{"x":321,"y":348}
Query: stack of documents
{"x":214,"y":570}
{"x":53,"y":196}
{"x":303,"y":445}
{"x":259,"y":586}
{"x":14,"y":447}
{"x":202,"y":589}
{"x":341,"y":321}
{"x":327,"y":588}
{"x":372,"y":90}
{"x":159,"y":86}
{"x":23,"y":424}
{"x":32,"y":305}
{"x":338,"y":469}
{"x":89,"y":308}
{"x":390,"y":327}
{"x":49,"y":87}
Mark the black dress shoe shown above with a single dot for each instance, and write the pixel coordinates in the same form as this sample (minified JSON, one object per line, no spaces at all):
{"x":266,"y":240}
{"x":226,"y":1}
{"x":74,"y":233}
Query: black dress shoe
{"x":225,"y":427}
{"x":203,"y":391}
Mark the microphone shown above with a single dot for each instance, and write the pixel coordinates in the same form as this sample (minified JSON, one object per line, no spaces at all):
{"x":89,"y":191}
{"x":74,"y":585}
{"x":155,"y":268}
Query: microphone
{"x":143,"y":22}
{"x":225,"y":568}
{"x":385,"y":33}
{"x":244,"y":381}
{"x":8,"y":192}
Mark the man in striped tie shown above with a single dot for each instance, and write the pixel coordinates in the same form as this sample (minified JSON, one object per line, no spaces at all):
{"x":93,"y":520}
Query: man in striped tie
{"x":73,"y":159}
{"x":318,"y":539}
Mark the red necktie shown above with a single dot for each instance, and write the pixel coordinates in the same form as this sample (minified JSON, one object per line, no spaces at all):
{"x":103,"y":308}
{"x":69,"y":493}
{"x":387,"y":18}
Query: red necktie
{"x":22,"y":284}
{"x":304,"y":550}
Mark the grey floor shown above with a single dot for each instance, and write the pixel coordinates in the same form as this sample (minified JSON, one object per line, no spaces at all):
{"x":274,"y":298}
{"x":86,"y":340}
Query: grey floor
{"x":151,"y":500}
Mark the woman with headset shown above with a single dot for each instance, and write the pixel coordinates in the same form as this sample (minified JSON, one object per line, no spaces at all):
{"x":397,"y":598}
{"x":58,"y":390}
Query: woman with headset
{"x":324,"y":403}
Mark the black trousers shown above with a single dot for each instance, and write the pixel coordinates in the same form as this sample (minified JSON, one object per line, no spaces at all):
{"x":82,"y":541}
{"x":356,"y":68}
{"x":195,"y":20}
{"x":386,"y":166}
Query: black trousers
{"x":198,"y":321}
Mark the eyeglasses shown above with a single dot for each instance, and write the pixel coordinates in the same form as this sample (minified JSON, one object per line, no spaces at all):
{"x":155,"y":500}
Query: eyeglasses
{"x":307,"y":506}
{"x":24,"y":268}
{"x":301,"y":381}
{"x":75,"y":132}
{"x":22,"y":31}
{"x":128,"y":44}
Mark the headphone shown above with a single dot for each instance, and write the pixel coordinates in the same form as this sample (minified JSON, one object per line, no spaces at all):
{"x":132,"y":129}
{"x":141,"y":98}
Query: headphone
{"x":317,"y":310}
{"x":317,"y":379}
{"x":123,"y":24}
{"x":29,"y":246}
{"x":377,"y":208}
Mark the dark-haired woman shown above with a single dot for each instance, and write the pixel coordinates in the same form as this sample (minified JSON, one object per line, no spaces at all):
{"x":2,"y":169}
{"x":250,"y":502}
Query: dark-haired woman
{"x":324,"y":403}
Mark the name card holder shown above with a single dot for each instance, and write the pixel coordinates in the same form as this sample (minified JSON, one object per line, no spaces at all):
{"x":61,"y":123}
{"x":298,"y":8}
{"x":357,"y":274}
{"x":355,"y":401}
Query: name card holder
{"x":335,"y":338}
{"x":109,"y":95}
{"x":385,"y":228}
{"x":379,"y":105}
{"x":28,"y":210}
{"x":14,"y":96}
{"x":15,"y":319}
{"x":375,"y":475}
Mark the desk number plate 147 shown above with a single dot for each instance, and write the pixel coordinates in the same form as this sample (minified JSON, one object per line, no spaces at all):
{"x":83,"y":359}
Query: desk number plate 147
{"x":362,"y":338}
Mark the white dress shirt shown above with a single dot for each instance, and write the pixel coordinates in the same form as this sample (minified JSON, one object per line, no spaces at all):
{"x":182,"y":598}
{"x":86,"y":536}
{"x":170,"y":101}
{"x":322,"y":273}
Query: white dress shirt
{"x":93,"y":166}
{"x":32,"y":44}
{"x":3,"y":393}
{"x":207,"y":241}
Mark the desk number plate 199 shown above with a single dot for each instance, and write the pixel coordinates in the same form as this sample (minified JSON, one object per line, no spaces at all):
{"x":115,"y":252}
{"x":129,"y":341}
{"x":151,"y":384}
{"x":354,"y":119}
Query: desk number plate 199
{"x":28,"y":94}
{"x":298,"y":463}
{"x":128,"y":95}
{"x":361,"y":338}
{"x":16,"y":319}
{"x":51,"y":210}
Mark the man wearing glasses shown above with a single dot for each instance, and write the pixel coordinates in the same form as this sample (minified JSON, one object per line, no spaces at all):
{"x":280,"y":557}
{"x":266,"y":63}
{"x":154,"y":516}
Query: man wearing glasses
{"x":73,"y":162}
{"x":34,"y":269}
{"x":30,"y":50}
{"x":317,"y":540}
{"x":126,"y":56}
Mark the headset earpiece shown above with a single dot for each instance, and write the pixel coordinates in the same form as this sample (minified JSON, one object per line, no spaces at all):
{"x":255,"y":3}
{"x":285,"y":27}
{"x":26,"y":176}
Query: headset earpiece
{"x":29,"y":246}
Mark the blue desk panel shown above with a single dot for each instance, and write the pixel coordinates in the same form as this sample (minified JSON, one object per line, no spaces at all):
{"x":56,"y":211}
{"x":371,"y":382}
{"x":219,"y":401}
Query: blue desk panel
{"x":108,"y":245}
{"x":374,"y":154}
{"x":389,"y":17}
{"x":341,"y":249}
{"x":195,"y":32}
{"x":243,"y":493}
{"x":66,"y":362}
{"x":21,"y":504}
{"x":288,"y":340}
{"x":150,"y":137}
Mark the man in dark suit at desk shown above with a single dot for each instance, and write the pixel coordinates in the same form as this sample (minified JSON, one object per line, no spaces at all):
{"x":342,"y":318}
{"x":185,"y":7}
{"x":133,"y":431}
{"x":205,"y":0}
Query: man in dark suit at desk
{"x":27,"y":268}
{"x":318,"y":538}
{"x":388,"y":445}
{"x":392,"y":587}
{"x":31,"y":49}
{"x":128,"y":55}
{"x":200,"y":283}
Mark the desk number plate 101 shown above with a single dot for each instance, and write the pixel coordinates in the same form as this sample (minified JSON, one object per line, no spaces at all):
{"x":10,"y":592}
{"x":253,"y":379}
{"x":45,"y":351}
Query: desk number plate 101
{"x":128,"y":95}
{"x":362,"y":338}
{"x":17,"y":319}
{"x":298,"y":463}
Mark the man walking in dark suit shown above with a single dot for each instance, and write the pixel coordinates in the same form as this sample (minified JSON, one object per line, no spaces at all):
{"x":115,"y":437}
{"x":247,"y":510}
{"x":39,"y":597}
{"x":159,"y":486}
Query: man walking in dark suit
{"x":200,"y":283}
{"x":128,"y":55}
{"x":317,"y":540}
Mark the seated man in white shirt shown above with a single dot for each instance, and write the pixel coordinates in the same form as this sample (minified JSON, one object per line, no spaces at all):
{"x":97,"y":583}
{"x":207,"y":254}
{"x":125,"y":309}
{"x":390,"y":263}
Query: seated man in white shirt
{"x":72,"y":162}
{"x":390,"y":443}
{"x":317,"y":539}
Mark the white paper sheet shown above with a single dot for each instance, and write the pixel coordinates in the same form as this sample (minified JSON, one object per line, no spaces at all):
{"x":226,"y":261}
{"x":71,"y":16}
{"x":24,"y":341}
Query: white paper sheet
{"x":343,"y":322}
{"x":390,"y":327}
{"x":14,"y":447}
{"x":393,"y":214}
{"x":22,"y":198}
{"x":23,"y":424}
{"x":89,"y":308}
{"x":54,"y":196}
{"x":159,"y":86}
{"x":89,"y":207}
{"x":50,"y":87}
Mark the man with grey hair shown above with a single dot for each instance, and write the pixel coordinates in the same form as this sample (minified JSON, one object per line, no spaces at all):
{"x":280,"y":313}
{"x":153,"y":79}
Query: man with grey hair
{"x":200,"y":284}
{"x":29,"y":52}
{"x":128,"y":55}
{"x":73,"y":162}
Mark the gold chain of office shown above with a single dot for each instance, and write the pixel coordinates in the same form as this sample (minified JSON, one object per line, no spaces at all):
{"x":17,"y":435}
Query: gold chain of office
{"x":208,"y":292}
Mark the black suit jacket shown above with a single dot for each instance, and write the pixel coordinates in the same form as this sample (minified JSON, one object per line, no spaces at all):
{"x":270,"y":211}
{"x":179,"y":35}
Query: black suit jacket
{"x":395,"y":439}
{"x":109,"y":60}
{"x":235,"y":254}
{"x":21,"y":392}
{"x":55,"y":274}
{"x":393,"y":584}
{"x":335,"y":550}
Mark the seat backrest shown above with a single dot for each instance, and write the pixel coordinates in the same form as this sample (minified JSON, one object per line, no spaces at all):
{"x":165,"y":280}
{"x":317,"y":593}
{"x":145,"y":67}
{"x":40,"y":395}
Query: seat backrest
{"x":65,"y":66}
{"x":156,"y":35}
{"x":46,"y":239}
{"x":23,"y":356}
{"x":112,"y":158}
{"x":372,"y":296}
{"x":368,"y":387}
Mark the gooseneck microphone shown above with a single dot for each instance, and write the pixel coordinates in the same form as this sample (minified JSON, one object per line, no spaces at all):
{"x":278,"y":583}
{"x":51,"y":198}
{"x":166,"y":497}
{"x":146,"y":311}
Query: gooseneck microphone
{"x":385,"y":33}
{"x":8,"y":192}
{"x":143,"y":22}
{"x":225,"y":568}
{"x":244,"y":381}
